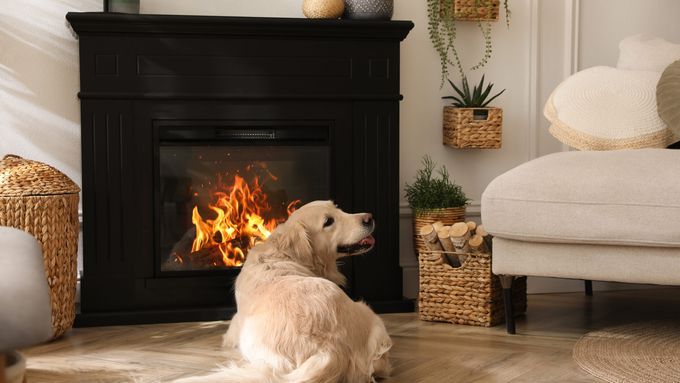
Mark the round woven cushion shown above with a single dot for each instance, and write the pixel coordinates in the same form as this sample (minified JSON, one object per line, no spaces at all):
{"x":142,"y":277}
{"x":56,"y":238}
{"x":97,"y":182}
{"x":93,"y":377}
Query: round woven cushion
{"x":605,"y":108}
{"x":668,"y":98}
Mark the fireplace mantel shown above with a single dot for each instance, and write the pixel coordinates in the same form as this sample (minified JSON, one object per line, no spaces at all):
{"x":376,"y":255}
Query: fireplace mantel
{"x":139,"y":72}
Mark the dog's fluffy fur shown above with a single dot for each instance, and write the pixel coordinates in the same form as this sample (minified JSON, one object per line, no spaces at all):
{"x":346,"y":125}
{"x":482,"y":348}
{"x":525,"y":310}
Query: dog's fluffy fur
{"x":294,"y":324}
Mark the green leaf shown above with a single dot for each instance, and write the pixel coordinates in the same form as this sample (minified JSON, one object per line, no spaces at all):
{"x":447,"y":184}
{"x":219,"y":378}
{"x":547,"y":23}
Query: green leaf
{"x":486,"y":92}
{"x":466,"y":89}
{"x":493,"y":98}
{"x":427,"y":192}
{"x":478,"y":91}
{"x":460,"y":93}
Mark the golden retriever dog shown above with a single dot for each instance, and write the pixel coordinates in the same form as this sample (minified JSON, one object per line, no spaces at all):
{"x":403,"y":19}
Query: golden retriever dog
{"x":293,"y":322}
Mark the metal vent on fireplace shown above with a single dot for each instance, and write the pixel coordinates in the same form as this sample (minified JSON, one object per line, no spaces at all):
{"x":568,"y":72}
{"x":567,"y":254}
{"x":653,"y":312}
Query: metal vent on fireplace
{"x":245,"y":134}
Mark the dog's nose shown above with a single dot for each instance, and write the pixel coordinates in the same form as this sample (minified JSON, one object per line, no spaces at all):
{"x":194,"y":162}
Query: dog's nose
{"x":367,"y":220}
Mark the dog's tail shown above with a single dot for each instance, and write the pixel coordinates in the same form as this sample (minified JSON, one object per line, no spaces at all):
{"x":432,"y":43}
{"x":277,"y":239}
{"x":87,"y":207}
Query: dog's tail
{"x":319,"y":368}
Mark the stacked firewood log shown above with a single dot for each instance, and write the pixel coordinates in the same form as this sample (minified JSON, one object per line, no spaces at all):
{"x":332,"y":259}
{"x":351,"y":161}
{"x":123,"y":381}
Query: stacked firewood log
{"x":456,"y":241}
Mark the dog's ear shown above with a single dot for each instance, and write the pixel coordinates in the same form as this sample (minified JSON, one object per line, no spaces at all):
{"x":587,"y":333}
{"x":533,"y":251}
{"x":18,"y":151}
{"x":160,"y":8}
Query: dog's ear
{"x":292,"y":239}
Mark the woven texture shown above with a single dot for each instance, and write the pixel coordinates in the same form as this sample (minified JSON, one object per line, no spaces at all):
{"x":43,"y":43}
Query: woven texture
{"x":462,"y":130}
{"x":668,"y":98}
{"x":641,"y":352}
{"x":476,"y":10}
{"x":40,"y":200}
{"x":447,"y":216}
{"x":369,"y":9}
{"x":323,"y":9}
{"x":470,"y":294}
{"x":604,"y":108}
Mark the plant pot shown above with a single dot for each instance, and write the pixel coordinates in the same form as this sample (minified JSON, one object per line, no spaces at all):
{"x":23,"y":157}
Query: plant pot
{"x":448,"y":216}
{"x":368,"y":9}
{"x":476,"y":10}
{"x":15,"y":367}
{"x":476,"y":128}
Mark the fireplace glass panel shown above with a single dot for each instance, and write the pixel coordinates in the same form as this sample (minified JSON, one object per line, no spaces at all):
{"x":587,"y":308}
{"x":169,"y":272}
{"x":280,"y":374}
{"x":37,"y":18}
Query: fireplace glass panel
{"x":217,"y":202}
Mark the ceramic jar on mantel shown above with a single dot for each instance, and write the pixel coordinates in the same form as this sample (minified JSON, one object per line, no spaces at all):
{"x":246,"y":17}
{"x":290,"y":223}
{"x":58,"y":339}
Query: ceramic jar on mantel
{"x":323,"y":9}
{"x":368,"y":9}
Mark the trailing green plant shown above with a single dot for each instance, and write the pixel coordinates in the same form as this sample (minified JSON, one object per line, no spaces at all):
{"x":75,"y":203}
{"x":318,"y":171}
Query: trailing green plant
{"x":442,"y":32}
{"x":478,"y":97}
{"x":428,"y":192}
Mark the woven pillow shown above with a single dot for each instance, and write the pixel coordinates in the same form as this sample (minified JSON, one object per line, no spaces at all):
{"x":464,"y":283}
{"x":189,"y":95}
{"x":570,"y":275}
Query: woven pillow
{"x":605,"y":108}
{"x":646,"y":52}
{"x":668,"y":98}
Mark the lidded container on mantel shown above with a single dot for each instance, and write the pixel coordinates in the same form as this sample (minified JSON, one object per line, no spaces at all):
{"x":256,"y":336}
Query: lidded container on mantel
{"x":42,"y":201}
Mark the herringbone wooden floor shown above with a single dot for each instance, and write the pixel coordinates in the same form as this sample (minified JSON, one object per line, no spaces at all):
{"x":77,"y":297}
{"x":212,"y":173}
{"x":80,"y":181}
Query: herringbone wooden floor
{"x":423,"y":351}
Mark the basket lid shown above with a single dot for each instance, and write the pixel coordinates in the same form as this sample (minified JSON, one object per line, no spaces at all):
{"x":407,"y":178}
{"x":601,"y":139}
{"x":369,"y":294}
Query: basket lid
{"x":21,"y":177}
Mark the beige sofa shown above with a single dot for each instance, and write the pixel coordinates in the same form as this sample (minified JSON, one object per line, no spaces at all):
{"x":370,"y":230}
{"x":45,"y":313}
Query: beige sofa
{"x":607,"y":216}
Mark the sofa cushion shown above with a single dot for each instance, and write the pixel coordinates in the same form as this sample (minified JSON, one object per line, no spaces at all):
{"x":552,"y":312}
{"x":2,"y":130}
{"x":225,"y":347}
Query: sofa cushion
{"x":646,"y":52}
{"x":604,"y":108}
{"x":668,"y":98}
{"x":626,"y":197}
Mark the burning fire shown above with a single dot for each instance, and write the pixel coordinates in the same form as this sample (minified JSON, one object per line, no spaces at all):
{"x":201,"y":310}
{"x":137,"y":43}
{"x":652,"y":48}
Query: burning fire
{"x":239,"y":223}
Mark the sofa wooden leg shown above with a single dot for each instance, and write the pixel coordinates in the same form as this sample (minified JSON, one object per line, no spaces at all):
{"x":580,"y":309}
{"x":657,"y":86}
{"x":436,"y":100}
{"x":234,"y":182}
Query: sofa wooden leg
{"x":506,"y":283}
{"x":589,"y":287}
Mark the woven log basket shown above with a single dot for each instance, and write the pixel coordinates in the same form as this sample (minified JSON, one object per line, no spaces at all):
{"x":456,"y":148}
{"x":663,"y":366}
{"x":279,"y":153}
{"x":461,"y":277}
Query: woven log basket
{"x":470,"y":294}
{"x":463,"y":129}
{"x":448,"y":216}
{"x":42,"y":201}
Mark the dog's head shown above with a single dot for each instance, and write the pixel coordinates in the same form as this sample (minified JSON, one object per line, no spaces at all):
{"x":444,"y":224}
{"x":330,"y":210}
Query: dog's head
{"x":319,"y":233}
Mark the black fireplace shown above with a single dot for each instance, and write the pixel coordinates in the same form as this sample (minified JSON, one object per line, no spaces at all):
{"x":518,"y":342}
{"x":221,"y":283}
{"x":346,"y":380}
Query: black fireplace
{"x":201,"y":134}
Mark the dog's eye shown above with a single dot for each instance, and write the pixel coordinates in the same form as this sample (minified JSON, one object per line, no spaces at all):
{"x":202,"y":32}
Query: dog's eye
{"x":328,"y":221}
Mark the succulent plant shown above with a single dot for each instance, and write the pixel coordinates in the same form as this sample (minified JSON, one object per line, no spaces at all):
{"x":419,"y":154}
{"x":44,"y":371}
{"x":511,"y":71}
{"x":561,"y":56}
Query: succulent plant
{"x":479,"y":97}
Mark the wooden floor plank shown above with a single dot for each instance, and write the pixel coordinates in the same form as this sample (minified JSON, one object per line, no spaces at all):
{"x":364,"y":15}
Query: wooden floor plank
{"x":423,"y":352}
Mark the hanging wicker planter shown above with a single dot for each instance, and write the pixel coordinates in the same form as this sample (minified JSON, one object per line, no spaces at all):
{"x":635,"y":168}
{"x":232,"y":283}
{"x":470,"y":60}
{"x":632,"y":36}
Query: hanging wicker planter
{"x":475,"y":128}
{"x":42,"y":201}
{"x":476,"y":10}
{"x":448,"y":216}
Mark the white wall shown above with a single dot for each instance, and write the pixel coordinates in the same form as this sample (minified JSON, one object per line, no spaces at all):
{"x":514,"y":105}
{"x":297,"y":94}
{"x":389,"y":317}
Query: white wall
{"x":605,"y":22}
{"x":39,"y":110}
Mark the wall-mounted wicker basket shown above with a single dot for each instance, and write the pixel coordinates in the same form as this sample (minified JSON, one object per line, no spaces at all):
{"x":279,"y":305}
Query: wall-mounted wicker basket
{"x":448,"y":216}
{"x":470,"y":294}
{"x":473,"y":128}
{"x":476,"y":10}
{"x":42,"y":201}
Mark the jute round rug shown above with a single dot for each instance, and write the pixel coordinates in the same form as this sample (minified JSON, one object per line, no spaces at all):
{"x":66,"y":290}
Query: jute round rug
{"x":643,"y":352}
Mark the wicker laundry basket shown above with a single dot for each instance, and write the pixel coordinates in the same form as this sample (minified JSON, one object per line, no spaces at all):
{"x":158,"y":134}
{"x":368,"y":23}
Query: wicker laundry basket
{"x":448,"y":216}
{"x":40,"y":200}
{"x":470,"y":294}
{"x":473,"y":128}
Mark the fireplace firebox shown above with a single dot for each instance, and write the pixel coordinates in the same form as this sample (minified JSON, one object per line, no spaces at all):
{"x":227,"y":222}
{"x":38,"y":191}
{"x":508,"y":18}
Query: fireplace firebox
{"x":225,"y":188}
{"x":201,"y":134}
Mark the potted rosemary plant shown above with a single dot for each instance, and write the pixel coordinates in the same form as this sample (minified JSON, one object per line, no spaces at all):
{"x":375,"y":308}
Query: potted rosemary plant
{"x":434,"y":199}
{"x":470,"y":122}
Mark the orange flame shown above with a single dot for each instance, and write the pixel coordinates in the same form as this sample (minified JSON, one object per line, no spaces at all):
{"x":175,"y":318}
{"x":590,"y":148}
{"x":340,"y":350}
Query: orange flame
{"x":239,"y":222}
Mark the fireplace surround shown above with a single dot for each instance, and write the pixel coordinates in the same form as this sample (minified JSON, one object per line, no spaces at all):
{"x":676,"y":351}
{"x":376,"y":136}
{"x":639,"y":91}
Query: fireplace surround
{"x":186,"y":117}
